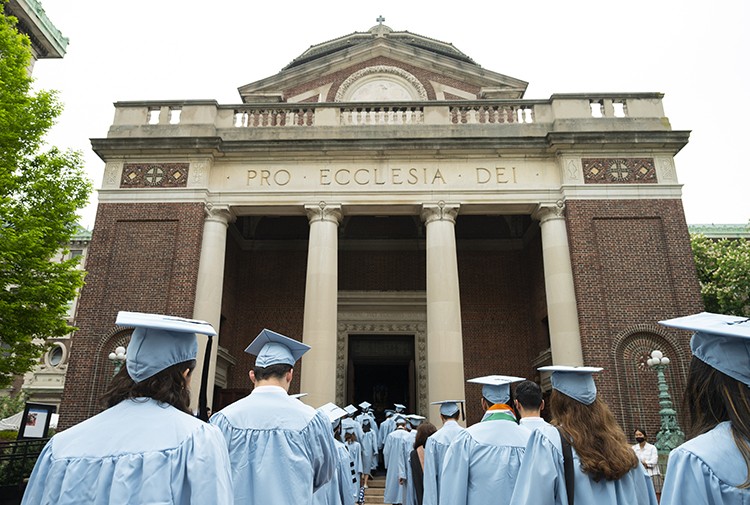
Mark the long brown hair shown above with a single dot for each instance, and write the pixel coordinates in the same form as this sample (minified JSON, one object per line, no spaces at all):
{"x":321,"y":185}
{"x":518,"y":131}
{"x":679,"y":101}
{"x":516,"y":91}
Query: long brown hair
{"x":167,"y":386}
{"x":424,"y":432}
{"x":713,"y":397}
{"x":595,"y":435}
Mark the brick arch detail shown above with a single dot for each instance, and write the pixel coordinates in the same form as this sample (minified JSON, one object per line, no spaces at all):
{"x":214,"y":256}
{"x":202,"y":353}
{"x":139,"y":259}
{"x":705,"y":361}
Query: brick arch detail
{"x":101,"y":374}
{"x":381,"y":69}
{"x":637,"y":391}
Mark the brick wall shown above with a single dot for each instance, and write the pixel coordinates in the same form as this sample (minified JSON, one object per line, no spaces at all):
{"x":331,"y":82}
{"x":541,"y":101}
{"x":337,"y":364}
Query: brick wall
{"x":142,"y":257}
{"x":499,"y":312}
{"x":262,"y":289}
{"x":632,"y":266}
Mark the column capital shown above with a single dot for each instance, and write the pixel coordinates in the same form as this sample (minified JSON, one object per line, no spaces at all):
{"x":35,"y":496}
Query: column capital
{"x":324,"y":212}
{"x":549,"y":211}
{"x":440,"y":211}
{"x":218,"y":213}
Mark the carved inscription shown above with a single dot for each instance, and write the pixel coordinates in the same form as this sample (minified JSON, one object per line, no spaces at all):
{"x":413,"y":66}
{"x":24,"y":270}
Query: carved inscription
{"x":374,"y":177}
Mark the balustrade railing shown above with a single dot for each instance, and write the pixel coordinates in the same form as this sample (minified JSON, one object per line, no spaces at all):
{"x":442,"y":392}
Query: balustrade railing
{"x":382,"y":115}
{"x":558,"y":110}
{"x":479,"y":114}
{"x":267,"y":117}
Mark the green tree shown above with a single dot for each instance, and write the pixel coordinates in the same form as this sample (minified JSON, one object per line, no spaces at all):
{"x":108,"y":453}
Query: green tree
{"x":724,"y":274}
{"x":40,"y":194}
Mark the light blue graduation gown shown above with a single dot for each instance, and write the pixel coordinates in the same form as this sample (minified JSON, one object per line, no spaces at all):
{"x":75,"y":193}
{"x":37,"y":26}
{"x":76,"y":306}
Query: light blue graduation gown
{"x":706,"y":469}
{"x":280,"y":449}
{"x":434,"y":454}
{"x":482,"y":463}
{"x":338,"y":490}
{"x":369,"y":451}
{"x":386,"y":428}
{"x":393,"y":454}
{"x":541,"y":480}
{"x":355,"y":451}
{"x":370,"y":417}
{"x":348,"y":422}
{"x":139,"y":451}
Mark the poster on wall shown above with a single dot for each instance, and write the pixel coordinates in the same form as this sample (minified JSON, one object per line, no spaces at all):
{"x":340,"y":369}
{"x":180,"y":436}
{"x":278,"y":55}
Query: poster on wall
{"x":35,"y":421}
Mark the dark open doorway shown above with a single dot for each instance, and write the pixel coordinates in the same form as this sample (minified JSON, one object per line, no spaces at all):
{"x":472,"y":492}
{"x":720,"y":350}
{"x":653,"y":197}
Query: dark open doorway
{"x":381,"y":371}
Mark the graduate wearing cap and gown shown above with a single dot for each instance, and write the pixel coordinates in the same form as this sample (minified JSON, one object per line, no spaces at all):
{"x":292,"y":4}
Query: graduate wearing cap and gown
{"x":340,"y":489}
{"x":436,"y":447}
{"x":482,"y":463}
{"x":386,"y":428}
{"x":396,"y":462}
{"x":541,"y":480}
{"x":141,"y":449}
{"x":710,"y":468}
{"x":349,"y":422}
{"x":355,"y":451}
{"x":369,"y":447}
{"x":366,"y":414}
{"x":281,"y":450}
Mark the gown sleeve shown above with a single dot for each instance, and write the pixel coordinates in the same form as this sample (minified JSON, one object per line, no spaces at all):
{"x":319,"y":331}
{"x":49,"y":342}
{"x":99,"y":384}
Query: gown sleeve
{"x":323,"y":450}
{"x":386,"y":451}
{"x":431,"y":473}
{"x":541,"y":475}
{"x":454,"y":476}
{"x":689,"y":480}
{"x":208,"y":469}
{"x":39,"y":477}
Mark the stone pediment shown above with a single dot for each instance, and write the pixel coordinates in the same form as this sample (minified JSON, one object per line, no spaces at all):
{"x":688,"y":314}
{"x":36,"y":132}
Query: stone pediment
{"x":382,"y":65}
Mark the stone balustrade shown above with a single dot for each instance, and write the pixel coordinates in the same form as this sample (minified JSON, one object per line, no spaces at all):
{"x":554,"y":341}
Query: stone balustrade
{"x":559,"y":112}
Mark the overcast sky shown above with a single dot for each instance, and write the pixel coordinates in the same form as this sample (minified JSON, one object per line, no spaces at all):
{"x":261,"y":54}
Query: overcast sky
{"x":696,"y":53}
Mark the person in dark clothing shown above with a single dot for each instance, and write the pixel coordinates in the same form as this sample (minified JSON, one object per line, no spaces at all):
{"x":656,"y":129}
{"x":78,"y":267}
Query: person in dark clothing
{"x":416,"y":460}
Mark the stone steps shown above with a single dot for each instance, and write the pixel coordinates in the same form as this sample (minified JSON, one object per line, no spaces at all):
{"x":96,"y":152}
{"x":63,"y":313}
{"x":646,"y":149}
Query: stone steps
{"x":375,"y":490}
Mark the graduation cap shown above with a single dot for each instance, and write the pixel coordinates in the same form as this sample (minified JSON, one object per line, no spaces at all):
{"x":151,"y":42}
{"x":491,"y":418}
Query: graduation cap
{"x":350,"y":409}
{"x":399,"y":419}
{"x":389,"y":412}
{"x":720,"y":341}
{"x":576,"y":382}
{"x":399,"y":407}
{"x":272,"y":348}
{"x":449,"y":408}
{"x":160,"y":341}
{"x":365,"y":405}
{"x":333,"y":412}
{"x":415,"y":419}
{"x":496,"y":388}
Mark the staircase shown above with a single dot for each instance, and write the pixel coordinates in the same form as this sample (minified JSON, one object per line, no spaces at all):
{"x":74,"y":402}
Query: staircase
{"x":376,"y":489}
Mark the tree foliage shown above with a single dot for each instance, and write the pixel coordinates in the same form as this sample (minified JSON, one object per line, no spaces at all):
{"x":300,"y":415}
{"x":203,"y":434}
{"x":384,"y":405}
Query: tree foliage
{"x":724,"y":274}
{"x":40,"y":194}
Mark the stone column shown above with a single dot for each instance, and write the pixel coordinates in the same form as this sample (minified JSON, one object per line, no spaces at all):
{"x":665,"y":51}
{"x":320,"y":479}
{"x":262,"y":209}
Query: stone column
{"x":562,"y":311}
{"x":321,"y":304}
{"x":445,"y":363}
{"x":208,"y":292}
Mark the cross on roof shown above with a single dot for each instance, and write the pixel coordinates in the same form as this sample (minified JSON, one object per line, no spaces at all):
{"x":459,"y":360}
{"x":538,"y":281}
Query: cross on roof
{"x":380,"y":19}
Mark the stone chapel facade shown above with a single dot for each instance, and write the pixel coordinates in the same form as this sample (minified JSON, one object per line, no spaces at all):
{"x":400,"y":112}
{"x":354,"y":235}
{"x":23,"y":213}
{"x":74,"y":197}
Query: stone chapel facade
{"x":406,"y":213}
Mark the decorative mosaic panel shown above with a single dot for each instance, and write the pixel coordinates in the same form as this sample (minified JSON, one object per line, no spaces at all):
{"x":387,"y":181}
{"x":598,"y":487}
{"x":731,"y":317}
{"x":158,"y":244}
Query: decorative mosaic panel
{"x":154,"y":175}
{"x":619,"y":170}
